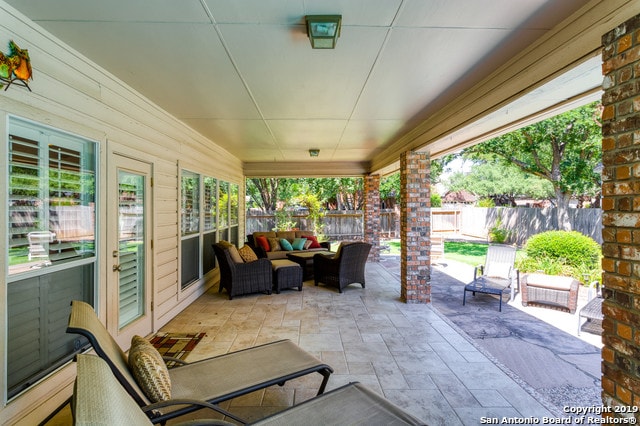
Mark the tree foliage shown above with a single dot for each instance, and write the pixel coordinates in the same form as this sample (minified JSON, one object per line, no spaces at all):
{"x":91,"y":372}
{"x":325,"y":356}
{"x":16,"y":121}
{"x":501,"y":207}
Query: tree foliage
{"x":563,"y":150}
{"x":502,"y":183}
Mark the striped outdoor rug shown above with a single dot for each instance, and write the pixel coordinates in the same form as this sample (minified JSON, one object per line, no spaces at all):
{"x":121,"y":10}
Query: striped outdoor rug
{"x":176,"y":345}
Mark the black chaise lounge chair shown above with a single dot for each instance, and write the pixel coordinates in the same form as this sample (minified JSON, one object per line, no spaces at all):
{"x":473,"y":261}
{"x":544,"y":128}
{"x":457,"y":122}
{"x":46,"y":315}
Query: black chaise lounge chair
{"x":212,"y":380}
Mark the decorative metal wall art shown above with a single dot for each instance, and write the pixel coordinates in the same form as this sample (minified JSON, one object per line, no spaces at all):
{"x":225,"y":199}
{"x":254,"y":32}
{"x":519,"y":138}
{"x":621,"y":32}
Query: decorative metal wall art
{"x":15,"y":67}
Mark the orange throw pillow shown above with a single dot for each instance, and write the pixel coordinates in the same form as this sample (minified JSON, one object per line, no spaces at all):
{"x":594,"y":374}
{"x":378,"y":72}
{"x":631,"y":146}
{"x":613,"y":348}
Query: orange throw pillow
{"x":263,"y":242}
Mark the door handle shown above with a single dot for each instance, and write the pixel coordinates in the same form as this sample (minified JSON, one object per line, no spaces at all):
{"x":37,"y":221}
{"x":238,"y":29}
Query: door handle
{"x":117,"y":268}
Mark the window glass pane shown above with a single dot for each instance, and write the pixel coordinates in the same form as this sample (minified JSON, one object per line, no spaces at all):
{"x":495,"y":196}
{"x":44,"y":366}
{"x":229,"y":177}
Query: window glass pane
{"x":190,"y":261}
{"x":233,"y":204}
{"x":51,"y":190}
{"x":190,"y":203}
{"x":51,"y":197}
{"x":209,"y":203}
{"x":223,"y":204}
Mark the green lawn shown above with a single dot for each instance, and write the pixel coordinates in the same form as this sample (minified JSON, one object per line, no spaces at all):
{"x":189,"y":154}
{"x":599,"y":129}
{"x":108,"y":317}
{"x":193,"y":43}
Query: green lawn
{"x":470,"y":253}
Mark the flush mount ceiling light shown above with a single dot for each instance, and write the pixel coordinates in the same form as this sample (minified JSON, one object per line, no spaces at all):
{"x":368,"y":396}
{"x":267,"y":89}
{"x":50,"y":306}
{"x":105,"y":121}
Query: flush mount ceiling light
{"x":314,"y":152}
{"x":323,"y":30}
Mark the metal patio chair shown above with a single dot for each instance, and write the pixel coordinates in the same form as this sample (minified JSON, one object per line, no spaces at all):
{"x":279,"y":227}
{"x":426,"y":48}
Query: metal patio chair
{"x":497,"y":275}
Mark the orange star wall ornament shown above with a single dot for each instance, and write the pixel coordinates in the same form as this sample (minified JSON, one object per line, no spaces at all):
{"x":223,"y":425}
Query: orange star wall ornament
{"x":15,"y":67}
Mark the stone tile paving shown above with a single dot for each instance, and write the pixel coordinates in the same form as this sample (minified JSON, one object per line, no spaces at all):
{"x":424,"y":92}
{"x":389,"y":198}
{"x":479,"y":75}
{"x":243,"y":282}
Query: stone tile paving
{"x":409,"y":353}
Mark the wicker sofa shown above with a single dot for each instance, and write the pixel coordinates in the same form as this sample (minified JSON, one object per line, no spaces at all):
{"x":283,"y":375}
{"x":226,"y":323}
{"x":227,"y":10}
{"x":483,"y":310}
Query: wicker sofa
{"x":550,"y":290}
{"x":287,"y":235}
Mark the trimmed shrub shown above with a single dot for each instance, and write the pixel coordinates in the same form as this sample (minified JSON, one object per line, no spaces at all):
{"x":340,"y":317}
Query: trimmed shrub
{"x":563,"y":253}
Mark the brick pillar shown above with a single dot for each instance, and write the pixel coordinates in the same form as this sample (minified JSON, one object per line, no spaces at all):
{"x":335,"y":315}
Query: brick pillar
{"x":415,"y":227}
{"x":621,"y":215}
{"x":372,"y":215}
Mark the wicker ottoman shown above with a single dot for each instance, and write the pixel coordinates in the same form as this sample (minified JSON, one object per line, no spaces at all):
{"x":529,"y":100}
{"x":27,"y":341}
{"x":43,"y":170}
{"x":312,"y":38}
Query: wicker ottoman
{"x":286,"y":274}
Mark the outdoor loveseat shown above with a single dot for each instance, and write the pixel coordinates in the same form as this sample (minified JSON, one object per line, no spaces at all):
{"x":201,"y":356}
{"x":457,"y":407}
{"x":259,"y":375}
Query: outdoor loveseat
{"x":268,"y":243}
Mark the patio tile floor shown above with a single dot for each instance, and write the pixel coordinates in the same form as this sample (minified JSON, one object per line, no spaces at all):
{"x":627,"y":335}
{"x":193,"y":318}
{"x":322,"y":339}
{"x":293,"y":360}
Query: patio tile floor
{"x":409,"y":353}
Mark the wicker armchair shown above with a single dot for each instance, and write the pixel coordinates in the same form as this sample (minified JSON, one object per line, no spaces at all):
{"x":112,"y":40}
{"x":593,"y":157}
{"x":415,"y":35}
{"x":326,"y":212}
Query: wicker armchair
{"x":242,"y":278}
{"x":343,"y":268}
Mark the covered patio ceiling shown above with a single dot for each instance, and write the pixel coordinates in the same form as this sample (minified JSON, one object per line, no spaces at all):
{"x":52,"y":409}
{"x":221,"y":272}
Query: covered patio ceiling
{"x":432,"y":75}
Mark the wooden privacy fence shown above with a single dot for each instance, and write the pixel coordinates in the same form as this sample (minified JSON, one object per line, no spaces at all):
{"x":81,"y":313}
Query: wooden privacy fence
{"x":522,"y":222}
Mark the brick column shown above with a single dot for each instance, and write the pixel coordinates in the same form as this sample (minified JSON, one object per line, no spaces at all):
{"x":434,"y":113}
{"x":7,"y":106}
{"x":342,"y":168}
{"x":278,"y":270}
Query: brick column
{"x":372,"y":215}
{"x":621,"y":215}
{"x":415,"y":227}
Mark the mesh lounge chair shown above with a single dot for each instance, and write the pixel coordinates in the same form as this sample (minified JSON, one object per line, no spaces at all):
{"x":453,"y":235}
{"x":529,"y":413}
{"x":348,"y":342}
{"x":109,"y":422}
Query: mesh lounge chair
{"x":211,"y":380}
{"x":99,"y":399}
{"x":346,"y":267}
{"x":496,"y":275}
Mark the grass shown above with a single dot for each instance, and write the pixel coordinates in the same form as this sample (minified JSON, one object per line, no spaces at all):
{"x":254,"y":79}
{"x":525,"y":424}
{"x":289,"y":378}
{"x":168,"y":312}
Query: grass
{"x":466,"y":252}
{"x":470,"y":253}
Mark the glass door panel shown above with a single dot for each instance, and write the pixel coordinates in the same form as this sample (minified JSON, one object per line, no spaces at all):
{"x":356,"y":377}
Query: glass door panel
{"x":131,"y":247}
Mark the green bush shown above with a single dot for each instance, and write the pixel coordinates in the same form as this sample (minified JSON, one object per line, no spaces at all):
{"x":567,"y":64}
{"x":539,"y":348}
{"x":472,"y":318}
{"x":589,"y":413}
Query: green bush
{"x":563,"y":253}
{"x":486,"y":202}
{"x":436,"y":200}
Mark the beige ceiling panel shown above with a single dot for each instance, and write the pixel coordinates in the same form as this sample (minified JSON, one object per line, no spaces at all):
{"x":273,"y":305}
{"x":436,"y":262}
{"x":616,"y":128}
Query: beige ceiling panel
{"x":350,"y":154}
{"x":505,"y":14}
{"x":290,"y":80}
{"x":290,"y":12}
{"x":279,"y":12}
{"x":181,"y":67}
{"x":321,"y":134}
{"x":113,"y":10}
{"x":423,"y":62}
{"x":235,"y":135}
{"x":368,"y":133}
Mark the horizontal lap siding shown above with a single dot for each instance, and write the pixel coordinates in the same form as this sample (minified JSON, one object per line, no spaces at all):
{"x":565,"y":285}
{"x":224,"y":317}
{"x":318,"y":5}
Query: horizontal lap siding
{"x":71,"y":94}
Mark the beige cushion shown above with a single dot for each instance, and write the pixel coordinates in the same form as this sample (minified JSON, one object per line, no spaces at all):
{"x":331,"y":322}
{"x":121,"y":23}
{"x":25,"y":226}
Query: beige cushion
{"x":266,"y":234}
{"x":233,"y":251}
{"x":274,"y":243}
{"x":247,"y":254}
{"x":307,"y":243}
{"x":287,"y":235}
{"x":555,"y":282}
{"x":149,"y":370}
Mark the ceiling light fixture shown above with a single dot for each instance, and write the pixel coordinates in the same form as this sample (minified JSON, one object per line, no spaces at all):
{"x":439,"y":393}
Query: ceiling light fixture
{"x":323,"y":30}
{"x":314,"y":152}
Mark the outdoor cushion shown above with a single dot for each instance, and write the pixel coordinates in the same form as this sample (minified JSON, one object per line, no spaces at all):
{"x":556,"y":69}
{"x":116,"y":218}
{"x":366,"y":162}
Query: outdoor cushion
{"x":307,"y":244}
{"x":298,"y":244}
{"x":288,"y":235}
{"x":247,"y":254}
{"x":233,"y":251}
{"x":499,"y":270}
{"x":263,"y":242}
{"x":149,"y":370}
{"x":314,"y":241}
{"x":274,"y":244}
{"x":285,"y":245}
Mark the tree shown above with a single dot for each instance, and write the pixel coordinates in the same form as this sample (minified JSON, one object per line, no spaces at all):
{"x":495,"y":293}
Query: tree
{"x":263,"y":193}
{"x":502,"y":183}
{"x":565,"y":150}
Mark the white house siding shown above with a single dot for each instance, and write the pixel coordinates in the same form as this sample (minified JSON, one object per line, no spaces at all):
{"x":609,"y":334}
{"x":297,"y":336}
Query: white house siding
{"x":72,"y":94}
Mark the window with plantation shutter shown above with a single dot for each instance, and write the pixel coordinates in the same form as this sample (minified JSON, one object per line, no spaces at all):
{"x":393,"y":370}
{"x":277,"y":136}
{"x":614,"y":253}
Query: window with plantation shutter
{"x":50,"y":222}
{"x":209,"y":213}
